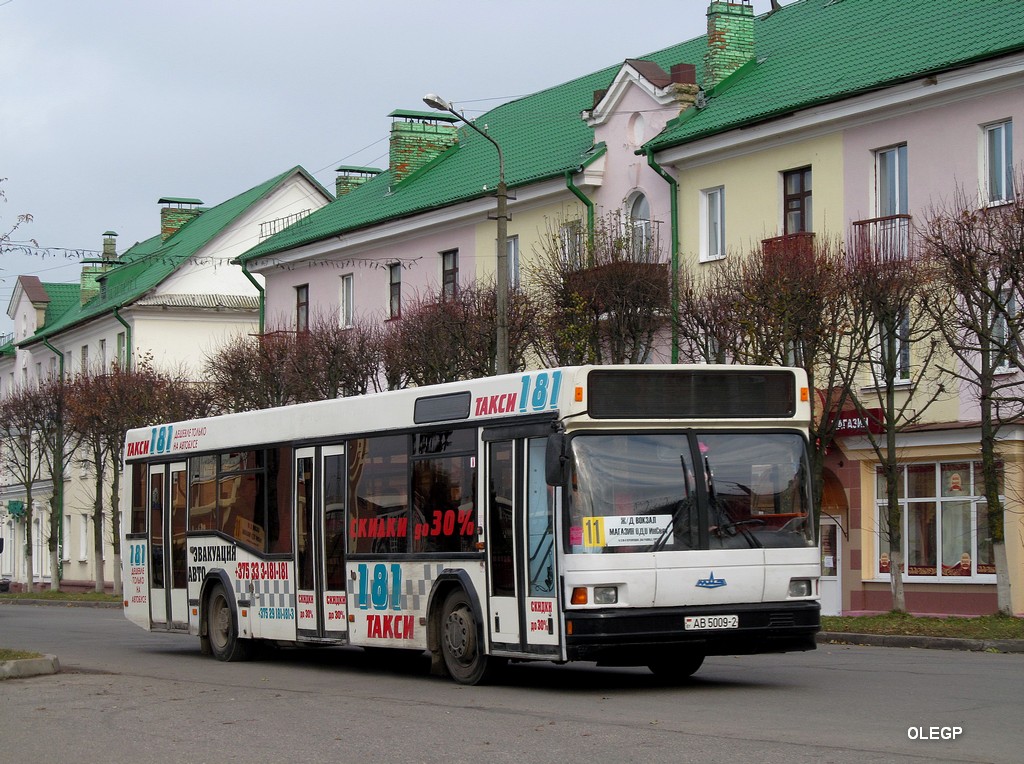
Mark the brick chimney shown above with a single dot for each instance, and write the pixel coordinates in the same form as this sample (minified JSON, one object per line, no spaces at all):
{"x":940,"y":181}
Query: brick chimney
{"x":89,"y":285}
{"x":350,"y":178}
{"x":417,"y":137}
{"x":177,"y":212}
{"x":730,"y":39}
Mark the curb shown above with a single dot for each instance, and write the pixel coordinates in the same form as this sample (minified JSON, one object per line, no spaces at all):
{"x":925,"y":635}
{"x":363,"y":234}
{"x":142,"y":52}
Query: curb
{"x":27,"y":667}
{"x":927,"y":643}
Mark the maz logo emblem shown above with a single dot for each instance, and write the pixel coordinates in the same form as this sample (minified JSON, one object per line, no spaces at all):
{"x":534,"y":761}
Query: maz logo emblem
{"x":711,"y":582}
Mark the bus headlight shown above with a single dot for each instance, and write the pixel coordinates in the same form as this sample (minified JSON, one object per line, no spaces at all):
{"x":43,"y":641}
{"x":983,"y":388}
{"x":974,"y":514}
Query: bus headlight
{"x":799,"y":587}
{"x":606,"y":595}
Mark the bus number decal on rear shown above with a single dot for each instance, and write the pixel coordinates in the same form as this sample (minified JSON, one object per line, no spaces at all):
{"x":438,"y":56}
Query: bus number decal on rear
{"x":544,"y":392}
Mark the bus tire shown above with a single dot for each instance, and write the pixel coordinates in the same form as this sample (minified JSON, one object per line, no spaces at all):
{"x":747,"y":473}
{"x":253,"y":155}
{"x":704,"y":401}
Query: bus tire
{"x":461,"y":645}
{"x":222,"y":629}
{"x":676,"y":668}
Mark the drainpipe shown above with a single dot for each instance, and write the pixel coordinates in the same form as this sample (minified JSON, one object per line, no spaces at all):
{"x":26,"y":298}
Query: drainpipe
{"x":259,"y":288}
{"x":127,"y":339}
{"x":673,"y":186}
{"x":586,"y":202}
{"x":58,"y":469}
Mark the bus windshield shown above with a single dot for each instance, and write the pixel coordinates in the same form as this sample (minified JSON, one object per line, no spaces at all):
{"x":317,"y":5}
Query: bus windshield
{"x":645,"y":492}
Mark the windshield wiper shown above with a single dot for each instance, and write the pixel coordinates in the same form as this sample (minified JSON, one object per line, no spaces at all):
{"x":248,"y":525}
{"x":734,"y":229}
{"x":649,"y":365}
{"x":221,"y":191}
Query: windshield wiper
{"x":684,"y":503}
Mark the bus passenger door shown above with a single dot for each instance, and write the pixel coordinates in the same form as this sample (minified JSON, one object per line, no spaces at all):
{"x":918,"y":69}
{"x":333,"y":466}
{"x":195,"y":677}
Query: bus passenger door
{"x":168,"y":518}
{"x":321,"y":611}
{"x":522,"y":578}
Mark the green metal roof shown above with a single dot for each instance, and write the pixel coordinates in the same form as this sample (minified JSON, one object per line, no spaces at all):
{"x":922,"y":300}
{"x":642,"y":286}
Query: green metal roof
{"x":145,"y":265}
{"x":806,"y":53}
{"x":813,"y":52}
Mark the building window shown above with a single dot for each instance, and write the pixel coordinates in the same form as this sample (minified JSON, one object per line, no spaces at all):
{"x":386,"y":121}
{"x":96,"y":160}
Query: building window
{"x":999,"y":162}
{"x":797,"y":201}
{"x":84,"y":358}
{"x":1003,"y":355}
{"x":570,"y":243}
{"x":945,"y":522}
{"x":395,"y":290}
{"x":103,"y":356}
{"x":640,"y":227}
{"x":449,"y":274}
{"x":512,"y":251}
{"x":891,"y":181}
{"x":65,"y":553}
{"x":712,"y":217}
{"x":892,"y":233}
{"x":302,"y":308}
{"x":900,"y":347}
{"x":347,"y":306}
{"x":83,"y":538}
{"x":122,"y":347}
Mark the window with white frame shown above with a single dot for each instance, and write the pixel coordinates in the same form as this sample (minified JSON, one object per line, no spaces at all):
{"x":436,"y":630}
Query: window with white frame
{"x":891,"y":234}
{"x":712,"y":223}
{"x":944,"y":519}
{"x":999,"y":162}
{"x":640,"y":225}
{"x":1003,"y":355}
{"x":893,"y":338}
{"x":122,"y":346}
{"x":103,"y":355}
{"x":83,"y":538}
{"x":66,"y":552}
{"x":570,"y":242}
{"x":512,"y":252}
{"x":346,"y":300}
{"x":84,"y":358}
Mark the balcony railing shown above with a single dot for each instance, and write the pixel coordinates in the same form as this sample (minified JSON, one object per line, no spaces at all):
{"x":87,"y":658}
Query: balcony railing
{"x":797,"y":246}
{"x":883,"y":238}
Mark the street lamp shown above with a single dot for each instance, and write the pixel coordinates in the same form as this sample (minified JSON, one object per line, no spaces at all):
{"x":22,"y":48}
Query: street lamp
{"x":435,"y":101}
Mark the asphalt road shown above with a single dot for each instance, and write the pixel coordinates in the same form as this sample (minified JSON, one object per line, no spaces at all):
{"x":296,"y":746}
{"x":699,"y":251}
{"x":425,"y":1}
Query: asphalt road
{"x":124,"y":695}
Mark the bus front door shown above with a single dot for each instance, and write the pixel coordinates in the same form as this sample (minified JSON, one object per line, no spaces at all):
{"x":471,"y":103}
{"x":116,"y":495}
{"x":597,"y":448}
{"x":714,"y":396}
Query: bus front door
{"x":168,"y":519}
{"x":522,"y":580}
{"x":321,"y":607}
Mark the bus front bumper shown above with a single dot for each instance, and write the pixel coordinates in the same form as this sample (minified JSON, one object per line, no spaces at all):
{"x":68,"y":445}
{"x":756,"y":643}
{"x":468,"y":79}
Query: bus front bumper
{"x":628,"y":636}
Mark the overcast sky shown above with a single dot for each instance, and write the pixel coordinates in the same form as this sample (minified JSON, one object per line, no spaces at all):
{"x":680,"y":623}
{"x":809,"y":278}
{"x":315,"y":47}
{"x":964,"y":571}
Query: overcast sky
{"x":108,"y":105}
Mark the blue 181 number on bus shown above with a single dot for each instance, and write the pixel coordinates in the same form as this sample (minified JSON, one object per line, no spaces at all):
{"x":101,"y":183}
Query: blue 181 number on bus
{"x":540,"y":391}
{"x":160,"y":439}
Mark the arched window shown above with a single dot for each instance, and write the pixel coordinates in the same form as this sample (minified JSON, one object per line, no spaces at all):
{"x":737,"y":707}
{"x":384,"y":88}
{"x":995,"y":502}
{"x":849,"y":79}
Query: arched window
{"x":640,"y":225}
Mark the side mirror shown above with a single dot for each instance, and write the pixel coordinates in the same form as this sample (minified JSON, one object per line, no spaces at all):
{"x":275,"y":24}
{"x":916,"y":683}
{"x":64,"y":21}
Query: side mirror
{"x":556,"y":460}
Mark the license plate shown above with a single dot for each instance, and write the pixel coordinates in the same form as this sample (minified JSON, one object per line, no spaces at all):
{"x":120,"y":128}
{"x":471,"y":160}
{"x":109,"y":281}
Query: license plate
{"x":699,"y":622}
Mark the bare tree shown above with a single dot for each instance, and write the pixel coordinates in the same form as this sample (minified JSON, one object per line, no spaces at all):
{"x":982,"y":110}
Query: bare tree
{"x":20,"y":411}
{"x":603,"y":300}
{"x":251,"y":371}
{"x":102,"y":406}
{"x":57,"y":444}
{"x":446,"y":337}
{"x":979,"y":255}
{"x":785,"y":303}
{"x":334,"y":361}
{"x":897,"y":342}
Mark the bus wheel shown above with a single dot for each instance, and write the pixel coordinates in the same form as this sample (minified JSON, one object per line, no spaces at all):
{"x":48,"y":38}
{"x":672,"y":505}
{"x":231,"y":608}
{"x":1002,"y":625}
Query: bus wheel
{"x":221,"y":630}
{"x":460,"y":641}
{"x":676,"y":667}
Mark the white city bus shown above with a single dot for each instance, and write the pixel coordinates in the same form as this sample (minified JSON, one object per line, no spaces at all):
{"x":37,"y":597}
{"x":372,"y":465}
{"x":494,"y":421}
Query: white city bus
{"x":628,"y":515}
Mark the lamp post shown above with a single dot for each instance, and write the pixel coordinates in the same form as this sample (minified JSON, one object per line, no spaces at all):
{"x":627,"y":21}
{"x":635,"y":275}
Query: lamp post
{"x":501,"y":364}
